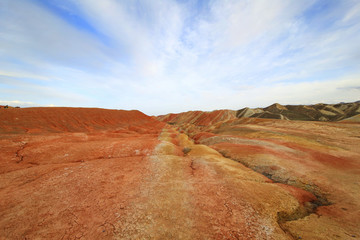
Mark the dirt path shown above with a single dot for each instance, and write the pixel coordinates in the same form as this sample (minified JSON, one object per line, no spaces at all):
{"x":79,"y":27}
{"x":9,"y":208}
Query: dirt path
{"x":202,"y":196}
{"x":163,"y":209}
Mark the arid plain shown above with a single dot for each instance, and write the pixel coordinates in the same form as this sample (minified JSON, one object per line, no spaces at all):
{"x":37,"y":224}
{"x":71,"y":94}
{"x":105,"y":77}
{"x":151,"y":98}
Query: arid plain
{"x":81,"y":173}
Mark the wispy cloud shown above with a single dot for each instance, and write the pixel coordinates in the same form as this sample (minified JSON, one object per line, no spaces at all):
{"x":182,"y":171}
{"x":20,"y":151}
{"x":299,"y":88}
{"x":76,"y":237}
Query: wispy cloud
{"x":17,"y":103}
{"x":171,"y":56}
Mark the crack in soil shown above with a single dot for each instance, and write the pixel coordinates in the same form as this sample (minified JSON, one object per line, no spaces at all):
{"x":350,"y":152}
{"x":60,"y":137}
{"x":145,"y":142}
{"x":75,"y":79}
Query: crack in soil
{"x":312,"y":188}
{"x":186,"y":151}
{"x":17,"y":153}
{"x":192,"y":166}
{"x":300,"y":212}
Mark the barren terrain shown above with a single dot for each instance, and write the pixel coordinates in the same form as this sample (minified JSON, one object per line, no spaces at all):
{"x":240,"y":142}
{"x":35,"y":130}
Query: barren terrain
{"x":72,"y":173}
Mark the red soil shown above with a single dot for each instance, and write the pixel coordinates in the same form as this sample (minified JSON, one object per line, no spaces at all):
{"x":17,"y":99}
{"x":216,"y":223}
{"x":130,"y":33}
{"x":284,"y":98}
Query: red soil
{"x":68,"y":173}
{"x":202,"y":135}
{"x":301,"y":195}
{"x":199,"y":118}
{"x":247,"y":149}
{"x":21,"y":120}
{"x":337,"y":162}
{"x":320,"y":158}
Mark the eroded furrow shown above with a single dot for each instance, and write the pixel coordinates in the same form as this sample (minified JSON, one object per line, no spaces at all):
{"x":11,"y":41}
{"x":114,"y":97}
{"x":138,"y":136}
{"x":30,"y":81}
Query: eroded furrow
{"x":217,"y":191}
{"x":321,"y":177}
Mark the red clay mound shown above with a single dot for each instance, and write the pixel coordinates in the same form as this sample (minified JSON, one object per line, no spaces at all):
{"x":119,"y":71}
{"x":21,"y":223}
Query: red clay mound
{"x":21,"y":120}
{"x":199,"y":118}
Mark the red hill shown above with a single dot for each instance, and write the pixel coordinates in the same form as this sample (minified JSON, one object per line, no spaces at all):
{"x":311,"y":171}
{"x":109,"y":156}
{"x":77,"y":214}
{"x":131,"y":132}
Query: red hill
{"x":20,"y":120}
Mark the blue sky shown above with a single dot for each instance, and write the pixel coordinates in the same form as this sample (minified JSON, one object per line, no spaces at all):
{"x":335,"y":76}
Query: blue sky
{"x":173,"y":56}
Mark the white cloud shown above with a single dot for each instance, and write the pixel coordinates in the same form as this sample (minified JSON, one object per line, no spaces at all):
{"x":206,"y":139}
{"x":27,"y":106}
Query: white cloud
{"x":146,"y":34}
{"x":160,"y":56}
{"x":16,"y":103}
{"x":31,"y":33}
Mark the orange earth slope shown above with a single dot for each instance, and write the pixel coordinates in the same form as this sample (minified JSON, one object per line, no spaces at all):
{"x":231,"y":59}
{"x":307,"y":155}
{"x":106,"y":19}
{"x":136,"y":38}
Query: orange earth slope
{"x":320,"y":158}
{"x":71,"y":173}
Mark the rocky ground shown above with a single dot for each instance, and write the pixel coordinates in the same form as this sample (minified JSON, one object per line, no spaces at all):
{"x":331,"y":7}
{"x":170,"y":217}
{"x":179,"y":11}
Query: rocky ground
{"x":105,"y":174}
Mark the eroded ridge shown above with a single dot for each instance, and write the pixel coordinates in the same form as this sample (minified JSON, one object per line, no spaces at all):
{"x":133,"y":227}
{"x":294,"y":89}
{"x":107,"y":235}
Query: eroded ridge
{"x":319,"y":159}
{"x":108,"y":186}
{"x":142,"y":179}
{"x":197,"y":193}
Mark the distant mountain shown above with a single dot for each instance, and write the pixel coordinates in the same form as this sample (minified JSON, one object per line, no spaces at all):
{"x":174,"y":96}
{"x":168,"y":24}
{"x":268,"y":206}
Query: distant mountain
{"x":317,"y":112}
{"x":346,"y":112}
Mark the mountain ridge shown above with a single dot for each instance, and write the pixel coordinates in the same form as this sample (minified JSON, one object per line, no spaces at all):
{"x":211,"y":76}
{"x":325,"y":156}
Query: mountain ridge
{"x":313,"y":112}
